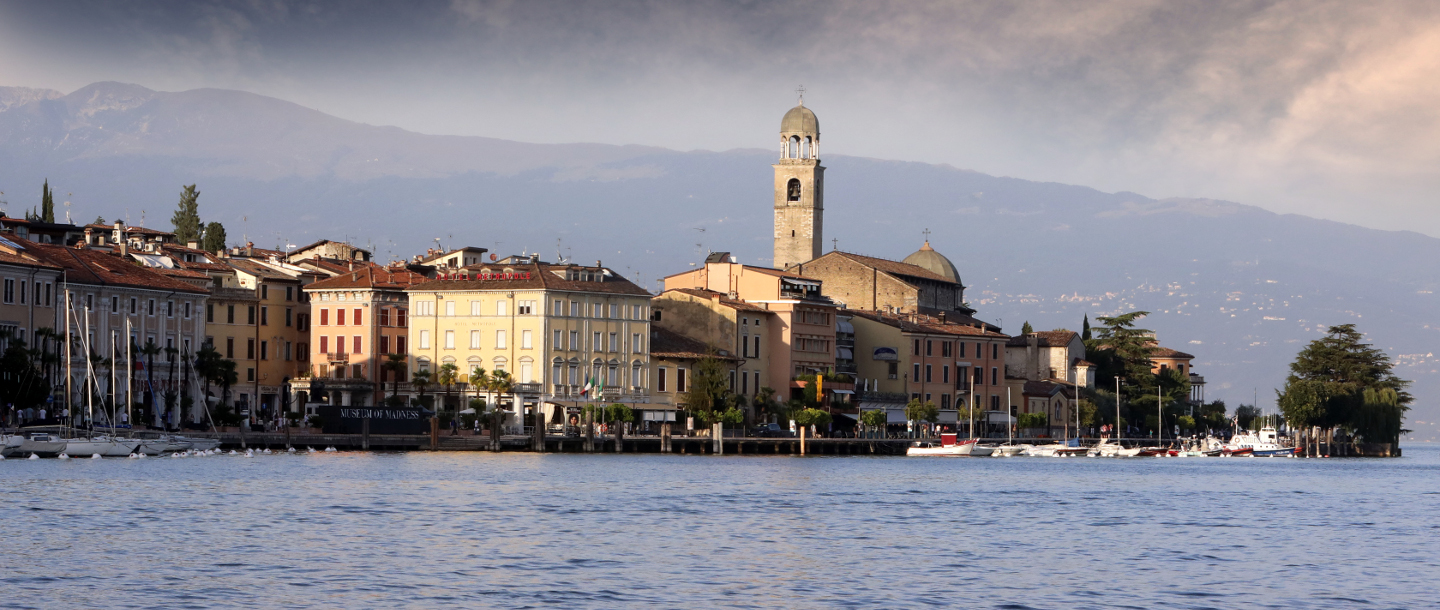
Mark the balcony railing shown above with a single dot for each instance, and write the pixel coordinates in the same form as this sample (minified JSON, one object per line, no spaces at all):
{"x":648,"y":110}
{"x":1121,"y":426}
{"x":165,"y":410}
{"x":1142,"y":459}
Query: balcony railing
{"x":336,"y":357}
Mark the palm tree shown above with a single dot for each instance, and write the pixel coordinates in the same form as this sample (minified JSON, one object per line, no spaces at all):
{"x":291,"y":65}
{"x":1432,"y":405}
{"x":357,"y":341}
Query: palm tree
{"x":227,"y":376}
{"x":207,"y":366}
{"x":395,"y":363}
{"x":480,"y":380}
{"x":170,"y":390}
{"x":420,"y":380}
{"x":446,"y":377}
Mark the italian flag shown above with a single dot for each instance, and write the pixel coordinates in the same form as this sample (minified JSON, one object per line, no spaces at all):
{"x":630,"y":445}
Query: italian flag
{"x":589,"y":385}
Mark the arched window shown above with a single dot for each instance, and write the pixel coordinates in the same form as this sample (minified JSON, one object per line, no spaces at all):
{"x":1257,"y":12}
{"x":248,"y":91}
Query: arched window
{"x":498,"y":364}
{"x":794,"y":148}
{"x":635,"y":377}
{"x":792,"y":190}
{"x":805,"y":150}
{"x":527,"y":370}
{"x":422,"y":364}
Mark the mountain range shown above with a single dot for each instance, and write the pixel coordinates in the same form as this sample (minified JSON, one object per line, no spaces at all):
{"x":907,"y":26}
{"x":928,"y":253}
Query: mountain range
{"x":1241,"y":288}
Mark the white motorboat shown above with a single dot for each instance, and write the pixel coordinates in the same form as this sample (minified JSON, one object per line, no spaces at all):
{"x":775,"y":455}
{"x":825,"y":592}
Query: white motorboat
{"x":1264,"y":444}
{"x":947,"y":446}
{"x":1009,"y":450}
{"x":102,"y":446}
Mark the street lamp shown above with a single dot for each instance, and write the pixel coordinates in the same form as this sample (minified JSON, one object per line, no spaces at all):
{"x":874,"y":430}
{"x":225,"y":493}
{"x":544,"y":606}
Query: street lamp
{"x":1118,"y":380}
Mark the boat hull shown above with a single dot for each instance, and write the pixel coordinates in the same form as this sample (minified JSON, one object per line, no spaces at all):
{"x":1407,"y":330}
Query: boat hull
{"x":958,"y":449}
{"x":82,"y":448}
{"x":1285,"y":452}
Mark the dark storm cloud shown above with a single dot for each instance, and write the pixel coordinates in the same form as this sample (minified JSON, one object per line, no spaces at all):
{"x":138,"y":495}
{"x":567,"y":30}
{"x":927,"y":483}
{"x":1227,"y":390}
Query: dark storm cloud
{"x":1317,"y":107}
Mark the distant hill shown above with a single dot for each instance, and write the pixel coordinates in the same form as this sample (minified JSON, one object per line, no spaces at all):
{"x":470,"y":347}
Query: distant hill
{"x":1239,"y":287}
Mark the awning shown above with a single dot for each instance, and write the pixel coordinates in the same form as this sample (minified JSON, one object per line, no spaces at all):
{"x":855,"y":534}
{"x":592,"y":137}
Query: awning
{"x":998,"y":417}
{"x":845,"y":326}
{"x":872,"y":406}
{"x":844,"y":353}
{"x":895,"y":416}
{"x":842,"y":391}
{"x":949,"y":417}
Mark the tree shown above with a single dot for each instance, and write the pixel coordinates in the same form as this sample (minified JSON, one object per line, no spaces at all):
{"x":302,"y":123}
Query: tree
{"x":100,"y":220}
{"x":214,"y":240}
{"x":709,"y":386}
{"x":876,"y":418}
{"x":1026,"y":328}
{"x":1085,"y":330}
{"x":420,"y":380}
{"x":1245,"y":414}
{"x":395,"y":365}
{"x":918,"y":411}
{"x":810,"y":417}
{"x":47,"y":205}
{"x":187,"y":217}
{"x":150,"y":350}
{"x":446,"y":376}
{"x":1328,"y":383}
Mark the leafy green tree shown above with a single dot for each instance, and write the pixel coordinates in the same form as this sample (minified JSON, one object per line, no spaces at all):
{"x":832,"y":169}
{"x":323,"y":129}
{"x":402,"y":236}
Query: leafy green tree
{"x":1328,"y":382}
{"x":876,"y":418}
{"x":918,"y":411}
{"x":214,"y":240}
{"x":1121,"y":349}
{"x":99,"y":220}
{"x":1245,"y":415}
{"x":1031,"y":420}
{"x":1026,"y":328}
{"x":186,"y":219}
{"x":709,"y":387}
{"x":810,"y":417}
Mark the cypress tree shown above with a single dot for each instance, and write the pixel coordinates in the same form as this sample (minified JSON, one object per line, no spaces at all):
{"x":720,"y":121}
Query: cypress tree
{"x":214,"y":240}
{"x":187,"y":217}
{"x":1085,"y":333}
{"x":47,"y":203}
{"x":1027,"y":328}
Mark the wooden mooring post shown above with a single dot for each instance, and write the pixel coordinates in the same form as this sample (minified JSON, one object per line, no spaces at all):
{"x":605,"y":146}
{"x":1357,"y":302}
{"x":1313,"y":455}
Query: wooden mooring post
{"x":589,"y":432}
{"x":665,"y":446}
{"x":364,"y":434}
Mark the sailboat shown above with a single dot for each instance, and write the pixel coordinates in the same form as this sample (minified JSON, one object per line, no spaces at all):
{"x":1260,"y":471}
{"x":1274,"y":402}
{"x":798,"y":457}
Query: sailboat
{"x":109,"y":445}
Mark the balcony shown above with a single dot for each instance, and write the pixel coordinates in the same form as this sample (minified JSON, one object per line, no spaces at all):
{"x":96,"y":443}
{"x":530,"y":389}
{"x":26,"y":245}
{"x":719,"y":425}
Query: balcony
{"x":336,"y":357}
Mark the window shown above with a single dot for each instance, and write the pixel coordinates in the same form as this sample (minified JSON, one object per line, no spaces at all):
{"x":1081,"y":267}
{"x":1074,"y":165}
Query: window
{"x":399,"y":317}
{"x":679,"y":380}
{"x":915,"y":351}
{"x":302,"y":352}
{"x":595,"y":310}
{"x":994,"y":351}
{"x":929,"y":347}
{"x":400,"y":344}
{"x":449,"y":339}
{"x":994,"y":375}
{"x":744,"y":383}
{"x":385,"y":344}
{"x":595,"y":343}
{"x":22,"y":292}
{"x":556,"y":341}
{"x":660,"y":379}
{"x":289,"y":316}
{"x":324,"y":317}
{"x":133,"y":300}
{"x":249,"y":349}
{"x":474,"y":339}
{"x":89,"y":301}
{"x":635,"y":343}
{"x":150,"y":307}
{"x":525,"y":308}
{"x":499,"y":339}
{"x":264,"y":316}
{"x":916,"y":375}
{"x":574,"y":340}
{"x":424,"y":339}
{"x":944,"y":371}
{"x":115,"y":307}
{"x":614,"y":311}
{"x":384,"y":316}
{"x":264,"y":291}
{"x":264,"y":350}
{"x":732,"y":380}
{"x":249,"y":375}
{"x":9,"y":290}
{"x":574,"y":309}
{"x":929,"y":370}
{"x":558,"y":309}
{"x":962,"y":349}
{"x":287,"y":351}
{"x":249,"y":314}
{"x":945,"y":349}
{"x":355,"y":343}
{"x":187,"y":310}
{"x":614,"y":343}
{"x":502,"y":308}
{"x":229,"y":347}
{"x":757,"y":345}
{"x":525,"y":340}
{"x":449,"y":308}
{"x":289,"y":296}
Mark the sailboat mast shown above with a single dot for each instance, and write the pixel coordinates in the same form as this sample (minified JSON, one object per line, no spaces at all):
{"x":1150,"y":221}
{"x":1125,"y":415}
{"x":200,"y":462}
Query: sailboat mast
{"x":129,"y":368}
{"x":90,"y":375}
{"x":1009,"y":429}
{"x":68,"y":363}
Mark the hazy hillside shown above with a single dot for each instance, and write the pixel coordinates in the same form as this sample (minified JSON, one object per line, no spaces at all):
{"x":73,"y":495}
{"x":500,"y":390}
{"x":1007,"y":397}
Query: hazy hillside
{"x":1239,"y":287}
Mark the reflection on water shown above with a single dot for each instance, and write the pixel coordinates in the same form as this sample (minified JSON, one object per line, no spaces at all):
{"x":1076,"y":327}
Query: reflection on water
{"x":603,"y":531}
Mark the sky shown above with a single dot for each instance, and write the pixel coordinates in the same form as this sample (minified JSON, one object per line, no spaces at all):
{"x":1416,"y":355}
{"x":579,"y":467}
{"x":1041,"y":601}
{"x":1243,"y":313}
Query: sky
{"x":1328,"y":109}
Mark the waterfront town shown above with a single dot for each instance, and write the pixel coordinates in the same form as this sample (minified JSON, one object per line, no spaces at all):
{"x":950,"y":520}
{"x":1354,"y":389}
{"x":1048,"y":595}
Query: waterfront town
{"x":179,"y":330}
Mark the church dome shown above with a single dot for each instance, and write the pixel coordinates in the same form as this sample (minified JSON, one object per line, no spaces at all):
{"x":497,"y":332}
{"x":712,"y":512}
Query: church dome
{"x":928,"y":259}
{"x":800,"y":119}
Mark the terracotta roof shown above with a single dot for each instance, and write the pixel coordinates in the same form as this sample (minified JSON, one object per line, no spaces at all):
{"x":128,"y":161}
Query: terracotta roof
{"x":333,"y":266}
{"x":369,"y":276}
{"x":1083,"y":362}
{"x":669,"y":344}
{"x":262,"y":271}
{"x":179,"y":272}
{"x":1046,"y":388}
{"x":1165,"y":352}
{"x":1048,"y":338}
{"x":323,"y":242}
{"x":540,"y":277}
{"x":763,"y":270}
{"x":97,"y":267}
{"x":723,"y":299}
{"x":925,"y":324}
{"x":888,"y":266}
{"x":128,"y":229}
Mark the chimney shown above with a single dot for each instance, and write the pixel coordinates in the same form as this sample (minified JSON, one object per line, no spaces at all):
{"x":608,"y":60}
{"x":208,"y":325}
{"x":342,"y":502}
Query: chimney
{"x":942,"y":317}
{"x":124,"y":246}
{"x":192,"y":244}
{"x":88,"y":237}
{"x":249,"y":248}
{"x":119,"y":234}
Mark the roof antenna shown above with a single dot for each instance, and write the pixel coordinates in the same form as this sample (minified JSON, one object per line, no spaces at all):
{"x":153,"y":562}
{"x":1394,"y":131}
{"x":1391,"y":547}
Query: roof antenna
{"x":800,"y":91}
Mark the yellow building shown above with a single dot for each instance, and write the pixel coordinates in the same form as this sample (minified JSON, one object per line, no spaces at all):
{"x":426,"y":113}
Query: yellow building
{"x":551,"y":327}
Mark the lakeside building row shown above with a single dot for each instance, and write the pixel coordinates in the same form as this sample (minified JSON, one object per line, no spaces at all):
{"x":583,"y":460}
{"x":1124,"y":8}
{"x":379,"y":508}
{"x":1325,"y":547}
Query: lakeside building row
{"x":324,"y":324}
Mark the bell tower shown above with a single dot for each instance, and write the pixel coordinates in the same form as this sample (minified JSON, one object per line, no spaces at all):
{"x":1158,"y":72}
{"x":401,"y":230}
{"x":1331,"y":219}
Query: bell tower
{"x":799,"y":188}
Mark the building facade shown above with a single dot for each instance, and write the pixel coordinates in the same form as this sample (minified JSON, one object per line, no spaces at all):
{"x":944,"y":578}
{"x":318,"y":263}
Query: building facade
{"x":356,"y":321}
{"x":799,"y":189}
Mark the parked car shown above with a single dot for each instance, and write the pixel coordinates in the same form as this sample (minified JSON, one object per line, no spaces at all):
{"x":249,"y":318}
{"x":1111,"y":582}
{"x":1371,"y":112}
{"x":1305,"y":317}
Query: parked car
{"x":771,"y":431}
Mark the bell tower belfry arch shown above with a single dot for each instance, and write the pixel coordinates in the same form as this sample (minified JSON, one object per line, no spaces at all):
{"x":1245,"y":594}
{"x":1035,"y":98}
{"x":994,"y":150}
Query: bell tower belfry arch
{"x":799,"y":189}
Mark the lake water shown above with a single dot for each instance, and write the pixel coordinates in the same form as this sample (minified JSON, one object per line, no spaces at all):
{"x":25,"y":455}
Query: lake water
{"x":520,"y":530}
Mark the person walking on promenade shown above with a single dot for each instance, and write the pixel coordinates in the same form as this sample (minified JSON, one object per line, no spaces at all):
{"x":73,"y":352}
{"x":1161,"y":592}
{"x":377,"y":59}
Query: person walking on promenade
{"x":454,"y":427}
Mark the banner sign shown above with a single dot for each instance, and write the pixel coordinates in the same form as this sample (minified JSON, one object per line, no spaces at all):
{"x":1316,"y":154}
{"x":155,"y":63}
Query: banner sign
{"x":383,"y":420}
{"x":466,"y":275}
{"x":886,"y":353}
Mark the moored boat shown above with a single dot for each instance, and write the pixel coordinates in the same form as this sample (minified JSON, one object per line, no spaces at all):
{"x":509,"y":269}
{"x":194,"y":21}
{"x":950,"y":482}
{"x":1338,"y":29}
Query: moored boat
{"x":947,"y":446}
